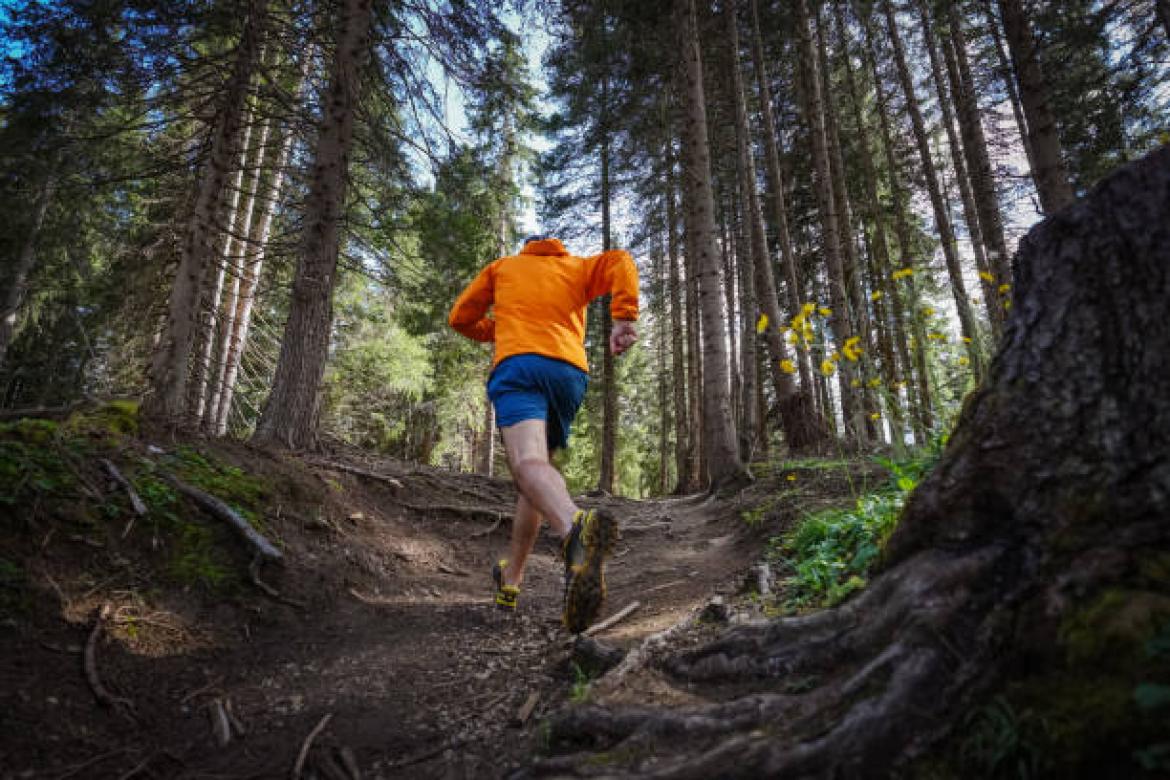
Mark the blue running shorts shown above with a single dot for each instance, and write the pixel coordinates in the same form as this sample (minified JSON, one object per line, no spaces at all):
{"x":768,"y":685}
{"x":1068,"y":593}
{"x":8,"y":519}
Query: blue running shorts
{"x":535,"y":387}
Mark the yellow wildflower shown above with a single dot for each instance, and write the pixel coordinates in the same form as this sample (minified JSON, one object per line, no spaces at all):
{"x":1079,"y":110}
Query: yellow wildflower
{"x":1007,"y":304}
{"x":934,"y":336}
{"x":1003,"y":289}
{"x":762,"y":323}
{"x":834,"y":356}
{"x":876,"y":295}
{"x":855,"y":383}
{"x":964,"y":361}
{"x":927,"y":311}
{"x":787,"y":366}
{"x":824,"y":311}
{"x":875,"y":382}
{"x":987,"y":277}
{"x":791,"y":478}
{"x":850,"y":349}
{"x":808,"y":309}
{"x":902,"y":273}
{"x":875,"y":416}
{"x":966,"y":339}
{"x":790,"y":337}
{"x":828,"y":367}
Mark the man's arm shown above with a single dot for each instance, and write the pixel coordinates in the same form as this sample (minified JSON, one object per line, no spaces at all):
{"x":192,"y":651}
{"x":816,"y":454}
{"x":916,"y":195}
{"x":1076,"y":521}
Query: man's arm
{"x":614,"y":272}
{"x":469,"y":314}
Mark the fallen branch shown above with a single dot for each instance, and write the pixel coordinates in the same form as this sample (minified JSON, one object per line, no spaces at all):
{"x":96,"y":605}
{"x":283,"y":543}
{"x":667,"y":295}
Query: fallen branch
{"x":489,"y":531}
{"x":391,"y":481}
{"x":349,"y":760}
{"x":100,"y":691}
{"x":457,"y":509}
{"x":527,"y":708}
{"x":224,"y":512}
{"x":220,"y":726}
{"x":136,"y":502}
{"x":299,"y":766}
{"x":612,"y":620}
{"x":254,"y":573}
{"x":639,"y":529}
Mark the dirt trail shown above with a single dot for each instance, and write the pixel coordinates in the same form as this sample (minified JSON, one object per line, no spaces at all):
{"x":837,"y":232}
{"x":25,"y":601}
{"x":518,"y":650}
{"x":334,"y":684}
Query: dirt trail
{"x":399,"y":642}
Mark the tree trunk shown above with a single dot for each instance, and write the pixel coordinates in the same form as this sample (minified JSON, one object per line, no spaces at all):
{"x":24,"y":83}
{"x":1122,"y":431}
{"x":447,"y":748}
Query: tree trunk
{"x":918,"y":380}
{"x":682,"y":426}
{"x":1051,"y":175}
{"x":165,"y":404}
{"x":942,"y":220}
{"x":739,"y":267}
{"x":664,"y":423}
{"x":799,"y":424}
{"x":218,"y":313}
{"x":892,"y":337}
{"x":789,"y":268}
{"x":13,"y":296}
{"x":609,"y":408}
{"x":729,"y":243}
{"x":1029,"y":561}
{"x":719,"y":433}
{"x":1009,"y":82}
{"x":291,"y":413}
{"x":814,"y":110}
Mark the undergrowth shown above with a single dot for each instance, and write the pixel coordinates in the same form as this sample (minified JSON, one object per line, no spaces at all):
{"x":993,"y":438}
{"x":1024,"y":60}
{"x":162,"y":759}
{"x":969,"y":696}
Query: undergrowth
{"x":830,"y":553}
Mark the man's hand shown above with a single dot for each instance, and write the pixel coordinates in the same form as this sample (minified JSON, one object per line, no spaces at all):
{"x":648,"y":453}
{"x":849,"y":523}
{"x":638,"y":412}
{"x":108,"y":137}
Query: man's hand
{"x":622,"y":337}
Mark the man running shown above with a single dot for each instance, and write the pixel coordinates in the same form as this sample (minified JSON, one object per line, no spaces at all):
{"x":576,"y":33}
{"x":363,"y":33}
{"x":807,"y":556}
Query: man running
{"x":538,"y":379}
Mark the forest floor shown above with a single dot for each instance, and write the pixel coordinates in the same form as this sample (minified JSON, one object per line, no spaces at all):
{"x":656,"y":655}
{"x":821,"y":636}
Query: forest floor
{"x":394,"y":637}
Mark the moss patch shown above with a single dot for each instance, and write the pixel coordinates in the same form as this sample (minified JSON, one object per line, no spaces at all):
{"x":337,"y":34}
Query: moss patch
{"x":1112,"y":631}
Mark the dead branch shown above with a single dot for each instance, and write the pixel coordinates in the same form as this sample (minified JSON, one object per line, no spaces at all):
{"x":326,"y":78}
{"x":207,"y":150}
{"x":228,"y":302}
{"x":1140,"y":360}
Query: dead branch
{"x":641,"y":529}
{"x":299,"y":766}
{"x":254,"y":573}
{"x":391,"y":481}
{"x":455,"y":509}
{"x":349,"y":760}
{"x":489,"y":531}
{"x":224,"y":512}
{"x":220,"y":726}
{"x":100,"y":691}
{"x":136,"y":502}
{"x":612,"y":620}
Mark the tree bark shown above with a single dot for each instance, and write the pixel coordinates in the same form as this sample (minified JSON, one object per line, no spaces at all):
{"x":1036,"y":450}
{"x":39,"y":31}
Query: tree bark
{"x":609,"y":406}
{"x":165,"y":404}
{"x":719,"y":432}
{"x":290,"y":416}
{"x":942,"y":220}
{"x":1048,"y":504}
{"x":1052,"y":182}
{"x":739,"y":268}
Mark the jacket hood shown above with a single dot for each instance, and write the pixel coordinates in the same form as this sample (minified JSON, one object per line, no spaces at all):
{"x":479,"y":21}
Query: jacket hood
{"x":545,"y":246}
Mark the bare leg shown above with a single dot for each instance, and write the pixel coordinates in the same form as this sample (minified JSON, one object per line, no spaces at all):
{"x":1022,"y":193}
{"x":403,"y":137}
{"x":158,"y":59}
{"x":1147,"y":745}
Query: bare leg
{"x":536,"y":478}
{"x":524,"y":530}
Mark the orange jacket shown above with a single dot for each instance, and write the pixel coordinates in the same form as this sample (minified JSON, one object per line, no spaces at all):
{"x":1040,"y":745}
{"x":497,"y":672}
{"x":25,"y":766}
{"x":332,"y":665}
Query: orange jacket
{"x":540,"y":297}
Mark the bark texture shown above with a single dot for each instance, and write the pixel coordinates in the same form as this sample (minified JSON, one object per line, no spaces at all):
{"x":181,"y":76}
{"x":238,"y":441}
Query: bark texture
{"x":719,"y":432}
{"x":291,"y":413}
{"x":1051,"y":495}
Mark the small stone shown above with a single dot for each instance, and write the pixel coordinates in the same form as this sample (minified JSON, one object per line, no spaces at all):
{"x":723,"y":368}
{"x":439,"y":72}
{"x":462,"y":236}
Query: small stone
{"x":716,"y":611}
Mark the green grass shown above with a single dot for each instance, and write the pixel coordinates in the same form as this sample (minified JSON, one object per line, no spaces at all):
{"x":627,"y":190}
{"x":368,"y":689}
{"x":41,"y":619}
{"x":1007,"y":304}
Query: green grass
{"x":830,"y":554}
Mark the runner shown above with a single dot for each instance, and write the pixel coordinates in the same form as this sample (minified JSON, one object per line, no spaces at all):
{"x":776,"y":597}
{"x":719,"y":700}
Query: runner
{"x":538,"y":379}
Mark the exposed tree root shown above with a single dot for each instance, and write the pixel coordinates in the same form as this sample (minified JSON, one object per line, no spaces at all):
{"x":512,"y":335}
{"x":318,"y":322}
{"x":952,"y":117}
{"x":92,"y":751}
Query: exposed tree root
{"x":100,"y":691}
{"x":223,"y":512}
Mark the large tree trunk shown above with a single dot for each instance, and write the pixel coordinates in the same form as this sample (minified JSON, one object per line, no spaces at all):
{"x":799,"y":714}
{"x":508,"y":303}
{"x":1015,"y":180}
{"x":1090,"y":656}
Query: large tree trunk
{"x":170,"y":370}
{"x":1026,"y":568}
{"x":719,"y":433}
{"x":18,"y":281}
{"x":799,"y":424}
{"x":291,"y":413}
{"x":1052,"y":182}
{"x":942,"y":220}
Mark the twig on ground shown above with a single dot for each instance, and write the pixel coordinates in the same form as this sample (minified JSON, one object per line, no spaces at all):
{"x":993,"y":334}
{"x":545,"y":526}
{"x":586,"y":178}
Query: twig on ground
{"x":254,"y":572}
{"x":664,"y":586}
{"x":220,"y":727}
{"x":373,"y":601}
{"x":91,"y":673}
{"x":349,"y":760}
{"x":418,"y":758}
{"x":638,"y":529}
{"x":526,"y":709}
{"x":391,"y":481}
{"x":211,"y":685}
{"x":224,"y":512}
{"x":488,"y":532}
{"x":136,"y":768}
{"x":136,"y":502}
{"x":612,"y":619}
{"x":299,"y":766}
{"x":455,"y":509}
{"x":237,"y":726}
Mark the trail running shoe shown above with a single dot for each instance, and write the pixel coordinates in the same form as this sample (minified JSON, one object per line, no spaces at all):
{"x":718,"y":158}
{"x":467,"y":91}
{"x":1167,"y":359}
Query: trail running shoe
{"x":591,"y":539}
{"x":505,"y":594}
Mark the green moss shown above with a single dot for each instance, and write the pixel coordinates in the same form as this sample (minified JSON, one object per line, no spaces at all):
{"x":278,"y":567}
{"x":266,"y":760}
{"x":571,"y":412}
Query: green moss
{"x":111,"y":419}
{"x":29,"y":469}
{"x":239,"y":489}
{"x":1113,"y":629}
{"x":30,"y":430}
{"x":198,"y":557}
